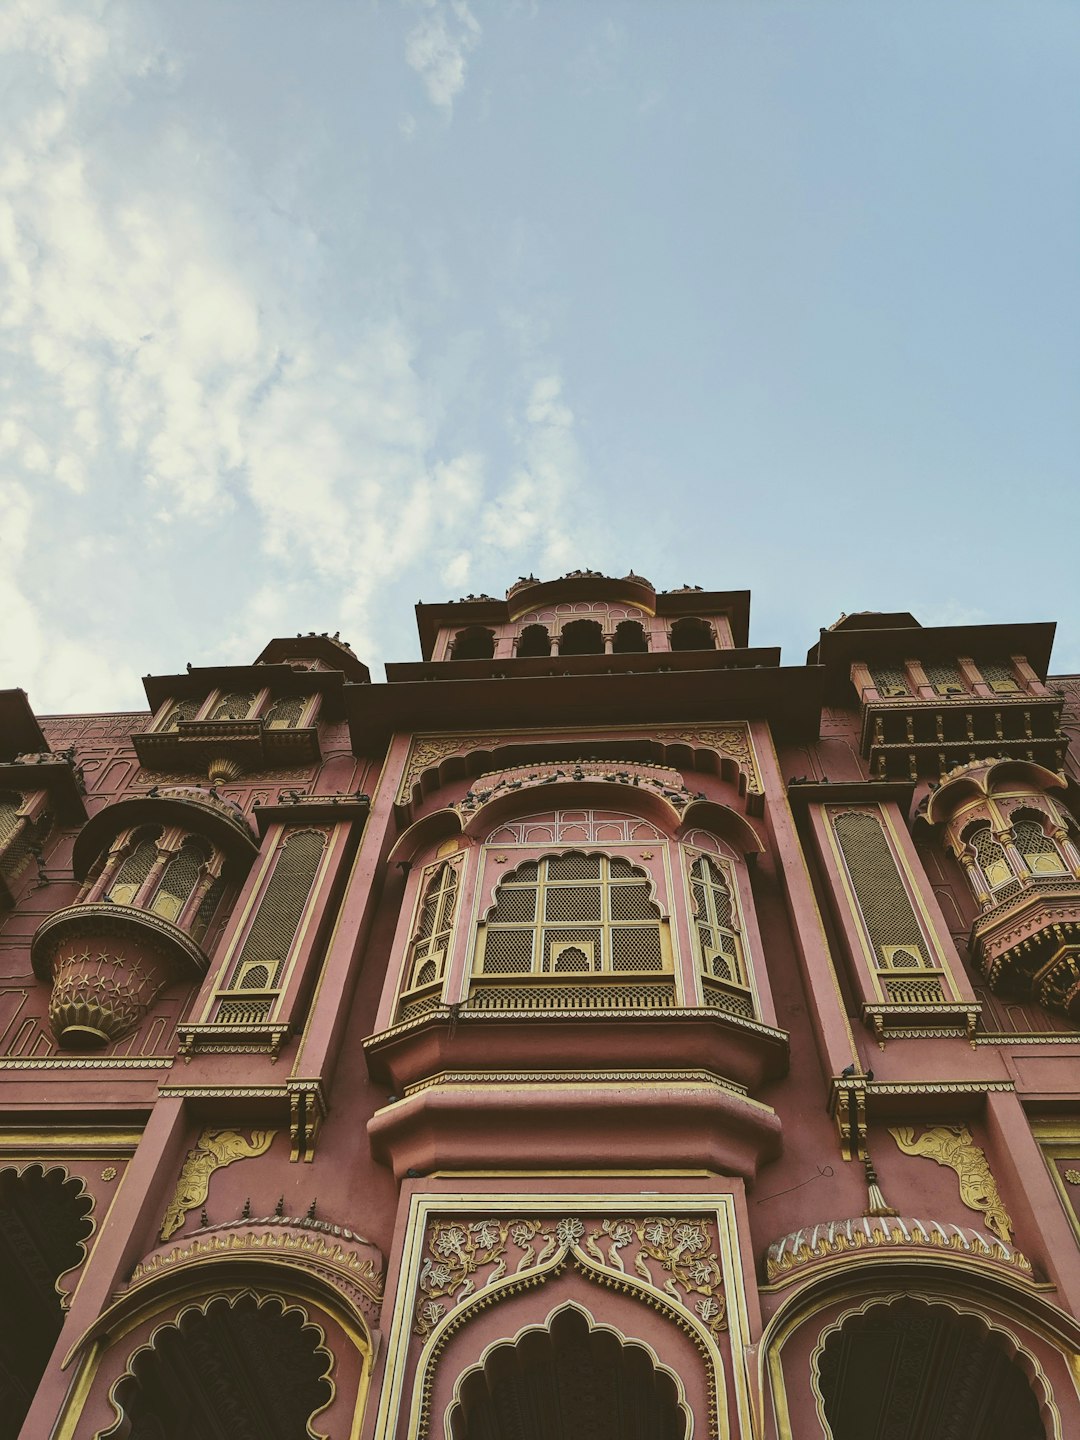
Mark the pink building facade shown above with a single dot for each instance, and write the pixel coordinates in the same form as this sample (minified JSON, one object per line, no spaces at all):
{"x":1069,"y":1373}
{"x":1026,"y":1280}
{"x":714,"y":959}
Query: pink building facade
{"x":597,"y":1029}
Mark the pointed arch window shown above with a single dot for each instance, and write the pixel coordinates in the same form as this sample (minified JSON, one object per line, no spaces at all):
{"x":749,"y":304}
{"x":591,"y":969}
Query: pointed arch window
{"x":990,"y":856}
{"x":573,"y":914}
{"x":285,"y":714}
{"x":725,"y":979}
{"x":434,"y":927}
{"x":135,"y":869}
{"x":1040,"y":854}
{"x":180,"y":876}
{"x":234,"y":707}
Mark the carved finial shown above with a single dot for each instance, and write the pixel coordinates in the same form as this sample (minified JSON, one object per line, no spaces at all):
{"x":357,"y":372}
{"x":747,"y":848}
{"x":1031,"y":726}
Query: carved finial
{"x":204,"y":1219}
{"x":279,"y":1208}
{"x":245,"y":1214}
{"x":311,"y":1210}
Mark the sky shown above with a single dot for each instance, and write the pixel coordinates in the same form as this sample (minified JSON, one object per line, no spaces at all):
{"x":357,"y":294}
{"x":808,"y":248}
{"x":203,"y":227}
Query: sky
{"x":312,"y":310}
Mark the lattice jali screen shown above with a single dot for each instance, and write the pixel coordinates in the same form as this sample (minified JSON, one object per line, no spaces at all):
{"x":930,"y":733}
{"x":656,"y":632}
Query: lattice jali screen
{"x":179,"y":879}
{"x":578,"y":913}
{"x":884,"y":908}
{"x":999,"y":677}
{"x":280,"y":910}
{"x":945,"y":677}
{"x":234,"y":707}
{"x":1041,"y":855}
{"x":550,"y":994}
{"x":134,"y":869}
{"x":991,"y":857}
{"x":716,"y":929}
{"x":433,"y":927}
{"x":889,"y":680}
{"x":182,"y":710}
{"x":921,"y":990}
{"x":285,"y":714}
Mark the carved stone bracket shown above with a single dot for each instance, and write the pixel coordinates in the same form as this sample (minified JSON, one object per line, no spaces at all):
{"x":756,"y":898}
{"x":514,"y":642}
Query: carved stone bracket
{"x":213,"y":1149}
{"x":675,"y":1255}
{"x":953,"y":1146}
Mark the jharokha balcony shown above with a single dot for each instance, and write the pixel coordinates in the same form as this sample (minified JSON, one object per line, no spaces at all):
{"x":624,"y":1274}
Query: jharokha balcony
{"x":156,"y":872}
{"x":1021,"y":854}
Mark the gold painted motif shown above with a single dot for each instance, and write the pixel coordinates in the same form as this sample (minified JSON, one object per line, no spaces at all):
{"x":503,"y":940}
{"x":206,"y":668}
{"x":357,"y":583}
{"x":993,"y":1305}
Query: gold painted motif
{"x":952,"y":1145}
{"x":673,"y":1254}
{"x":214,"y":1149}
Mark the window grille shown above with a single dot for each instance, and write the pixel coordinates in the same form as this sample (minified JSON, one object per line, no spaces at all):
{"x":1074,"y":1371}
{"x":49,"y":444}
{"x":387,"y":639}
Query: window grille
{"x":719,"y":950}
{"x":999,"y":677}
{"x":134,"y":869}
{"x":573,"y":913}
{"x":884,"y":905}
{"x":180,"y":878}
{"x":889,"y":681}
{"x":434,"y":927}
{"x":945,"y":677}
{"x":283,"y":902}
{"x":285,"y":714}
{"x":234,"y":707}
{"x":182,"y":710}
{"x":1041,"y":855}
{"x":991,"y":857}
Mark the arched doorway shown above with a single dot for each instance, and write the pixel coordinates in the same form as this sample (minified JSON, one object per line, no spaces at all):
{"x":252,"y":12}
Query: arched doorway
{"x":908,"y":1370}
{"x":568,"y":1380}
{"x":240,"y":1368}
{"x":44,"y":1220}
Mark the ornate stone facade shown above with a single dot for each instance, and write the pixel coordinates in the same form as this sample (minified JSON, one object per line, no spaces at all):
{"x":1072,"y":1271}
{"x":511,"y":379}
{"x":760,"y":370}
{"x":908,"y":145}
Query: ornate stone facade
{"x":558,"y":1045}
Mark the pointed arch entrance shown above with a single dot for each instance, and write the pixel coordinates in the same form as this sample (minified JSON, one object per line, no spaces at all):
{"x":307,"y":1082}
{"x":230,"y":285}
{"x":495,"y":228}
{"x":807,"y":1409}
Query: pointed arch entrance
{"x":572,"y":1380}
{"x":909,"y":1370}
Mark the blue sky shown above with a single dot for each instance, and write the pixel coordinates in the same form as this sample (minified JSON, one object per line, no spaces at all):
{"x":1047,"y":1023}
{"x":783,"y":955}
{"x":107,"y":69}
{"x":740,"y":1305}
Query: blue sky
{"x":308,"y":311}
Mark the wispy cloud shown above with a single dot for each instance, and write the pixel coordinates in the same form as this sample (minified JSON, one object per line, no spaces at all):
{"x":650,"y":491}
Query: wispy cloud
{"x":182,"y":437}
{"x":438,"y":46}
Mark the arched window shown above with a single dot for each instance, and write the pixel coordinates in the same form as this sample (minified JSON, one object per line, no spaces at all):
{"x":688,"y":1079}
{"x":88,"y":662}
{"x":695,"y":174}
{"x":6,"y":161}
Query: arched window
{"x":285,"y":714}
{"x":629,"y":638}
{"x":691,"y":633}
{"x":281,"y":907}
{"x":182,"y":710}
{"x":534,"y":640}
{"x":136,"y":867}
{"x":474,"y":643}
{"x":720,"y":954}
{"x":889,"y":681}
{"x":180,"y":877}
{"x":909,"y":1368}
{"x":573,"y":914}
{"x":582,"y":637}
{"x":434,"y":926}
{"x":250,"y":1365}
{"x":989,"y":854}
{"x":44,"y":1220}
{"x":1041,"y":855}
{"x":234,"y":707}
{"x":558,"y":1381}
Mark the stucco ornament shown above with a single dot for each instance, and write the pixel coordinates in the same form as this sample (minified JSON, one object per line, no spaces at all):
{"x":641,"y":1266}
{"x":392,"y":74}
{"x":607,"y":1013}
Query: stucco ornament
{"x":952,"y":1145}
{"x":213,"y":1149}
{"x":673,"y":1254}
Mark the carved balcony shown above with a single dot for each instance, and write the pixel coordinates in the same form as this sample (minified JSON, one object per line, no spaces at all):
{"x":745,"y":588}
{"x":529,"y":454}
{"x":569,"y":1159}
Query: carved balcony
{"x":539,"y":1086}
{"x":1027,"y":944}
{"x":107,"y":964}
{"x":226,"y":748}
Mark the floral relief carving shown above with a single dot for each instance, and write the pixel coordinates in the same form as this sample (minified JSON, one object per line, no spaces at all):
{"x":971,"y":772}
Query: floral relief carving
{"x":953,"y":1146}
{"x":674,"y":1254}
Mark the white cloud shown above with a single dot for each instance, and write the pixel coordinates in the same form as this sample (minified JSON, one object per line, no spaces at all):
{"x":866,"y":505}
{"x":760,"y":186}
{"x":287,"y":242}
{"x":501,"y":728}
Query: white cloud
{"x":180,"y":424}
{"x":437,"y":48}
